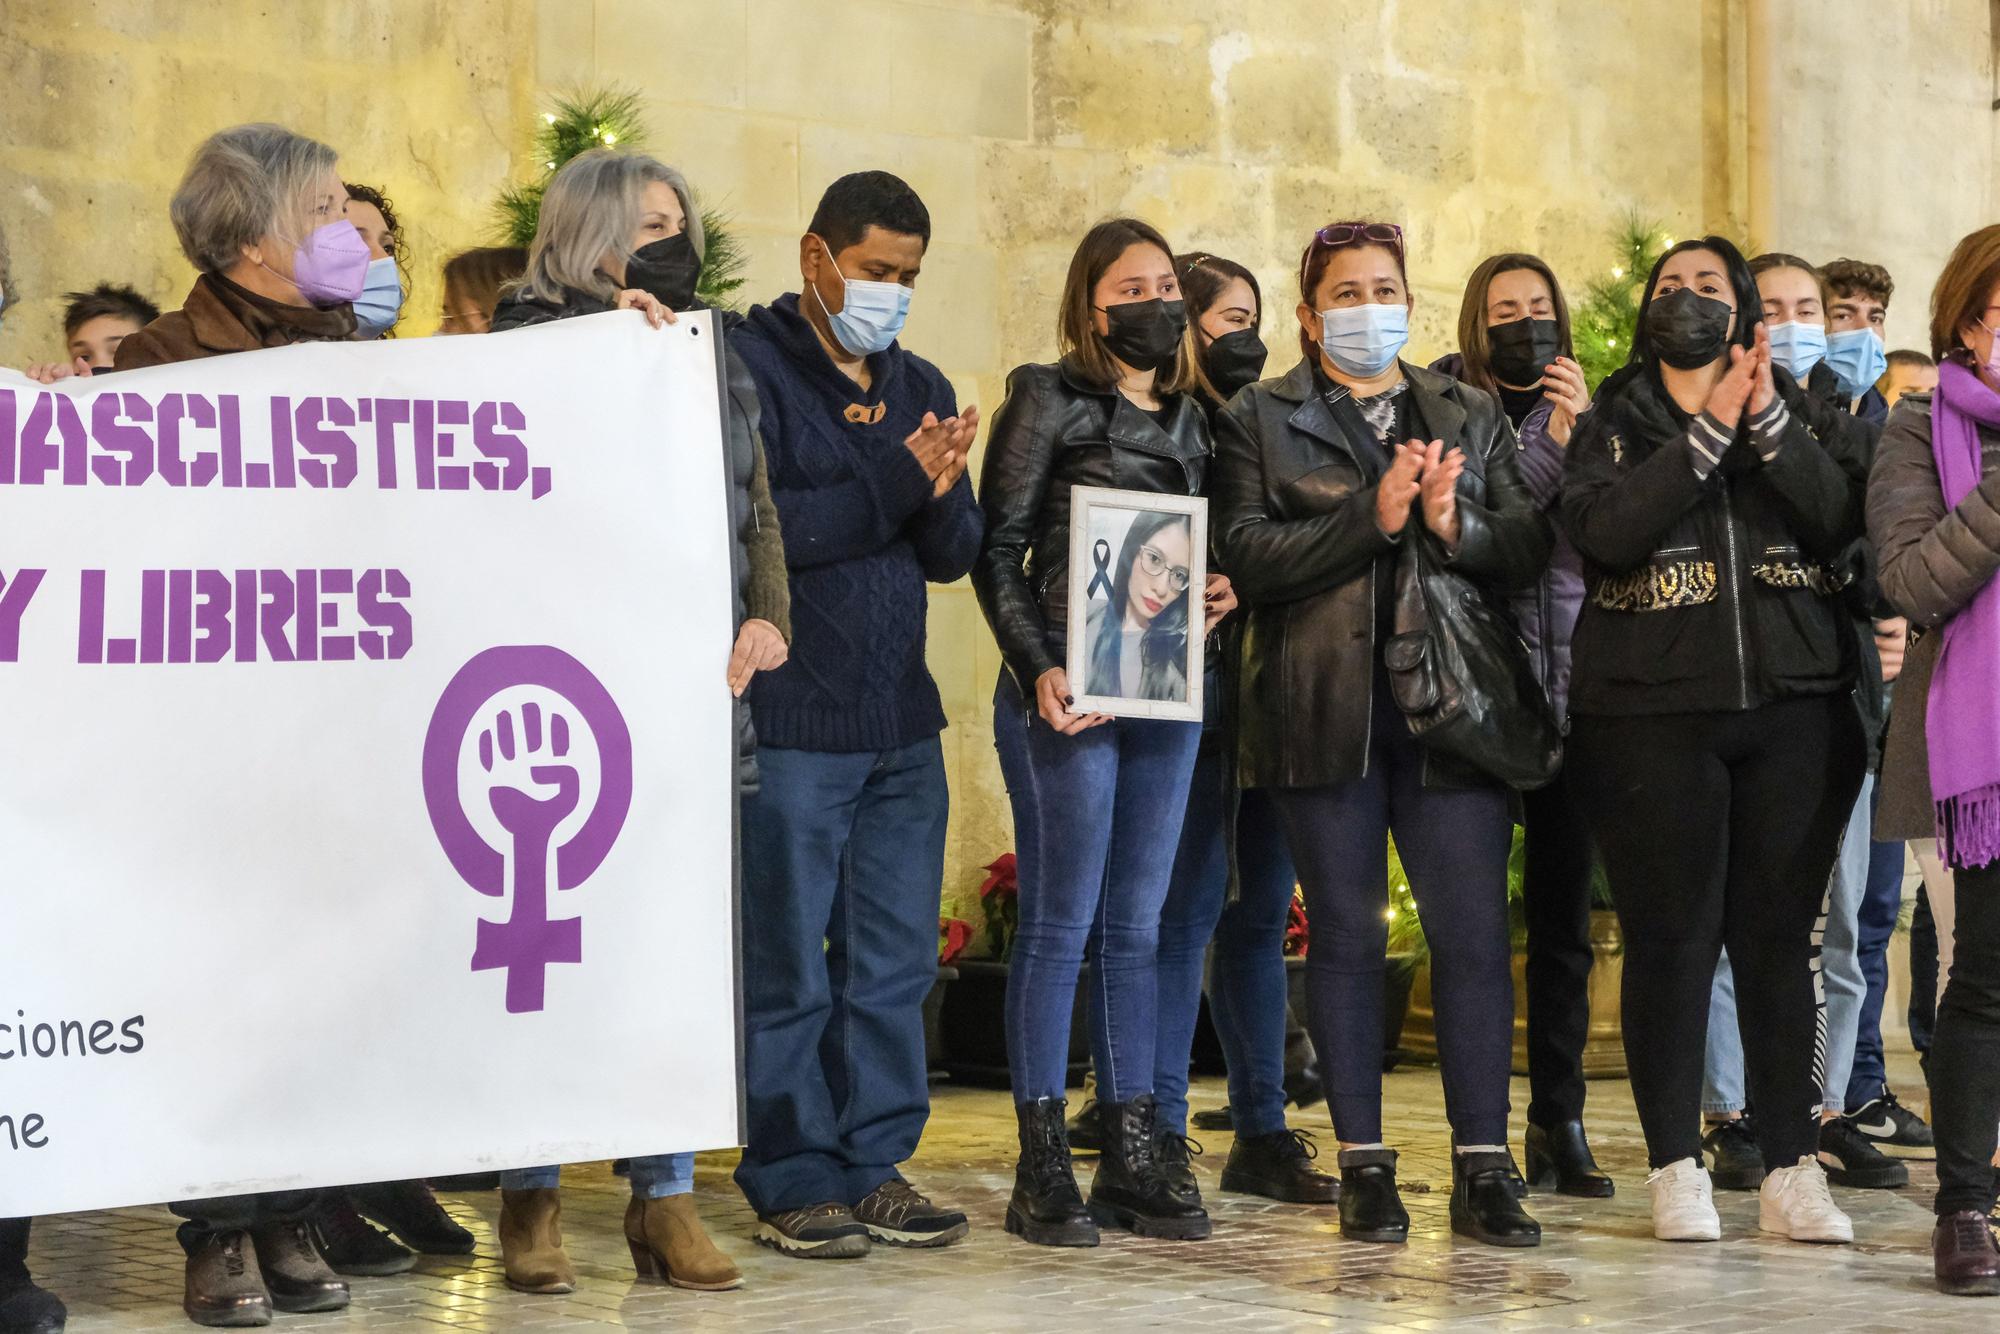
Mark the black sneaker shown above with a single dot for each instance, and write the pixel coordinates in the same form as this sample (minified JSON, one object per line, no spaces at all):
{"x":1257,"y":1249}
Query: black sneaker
{"x":827,"y":1231}
{"x":412,"y":1213}
{"x":353,"y":1246}
{"x":1086,"y":1129}
{"x":1734,"y":1160}
{"x":1851,"y":1160}
{"x":896,"y":1214}
{"x":1893,"y":1128}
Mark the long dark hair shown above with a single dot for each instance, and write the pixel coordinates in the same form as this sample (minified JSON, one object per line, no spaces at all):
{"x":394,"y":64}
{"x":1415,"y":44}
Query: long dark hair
{"x":1163,"y":647}
{"x":1749,"y":303}
{"x":1475,"y":349}
{"x":1204,"y":277}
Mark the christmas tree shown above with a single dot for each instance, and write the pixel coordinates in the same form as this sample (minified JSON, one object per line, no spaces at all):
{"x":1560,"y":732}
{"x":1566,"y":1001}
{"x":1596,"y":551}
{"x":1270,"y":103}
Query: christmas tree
{"x":1602,"y":325}
{"x":610,"y":118}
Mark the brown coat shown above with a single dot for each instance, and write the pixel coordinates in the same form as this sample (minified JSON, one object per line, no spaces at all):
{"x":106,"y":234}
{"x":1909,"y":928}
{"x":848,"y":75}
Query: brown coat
{"x":220,"y":317}
{"x":1933,"y":561}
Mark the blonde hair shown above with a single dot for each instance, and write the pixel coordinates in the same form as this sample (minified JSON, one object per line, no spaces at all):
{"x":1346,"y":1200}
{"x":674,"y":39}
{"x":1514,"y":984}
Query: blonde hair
{"x":591,"y":209}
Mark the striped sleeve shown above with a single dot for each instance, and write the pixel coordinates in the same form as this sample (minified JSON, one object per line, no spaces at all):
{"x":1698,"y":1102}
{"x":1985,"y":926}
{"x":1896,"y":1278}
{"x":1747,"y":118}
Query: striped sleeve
{"x":1707,"y":438}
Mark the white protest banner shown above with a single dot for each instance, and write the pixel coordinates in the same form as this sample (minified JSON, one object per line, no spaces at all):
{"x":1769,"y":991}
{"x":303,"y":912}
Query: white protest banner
{"x":367,"y":773}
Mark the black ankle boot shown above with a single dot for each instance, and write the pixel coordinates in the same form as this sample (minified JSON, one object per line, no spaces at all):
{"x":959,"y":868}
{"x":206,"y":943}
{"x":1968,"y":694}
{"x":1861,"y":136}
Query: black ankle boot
{"x":1483,"y":1205}
{"x":1175,"y":1154}
{"x":1132,"y":1189}
{"x":1370,"y":1208}
{"x":1559,"y":1160}
{"x":1046,"y":1207}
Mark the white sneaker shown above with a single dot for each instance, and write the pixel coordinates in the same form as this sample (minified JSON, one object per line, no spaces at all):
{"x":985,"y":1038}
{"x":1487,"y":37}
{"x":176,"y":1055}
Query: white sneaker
{"x":1683,"y":1206}
{"x":1794,"y":1202}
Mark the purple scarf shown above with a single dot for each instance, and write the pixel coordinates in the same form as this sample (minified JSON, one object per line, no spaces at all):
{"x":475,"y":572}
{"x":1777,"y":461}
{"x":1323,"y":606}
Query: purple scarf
{"x":1963,"y":725}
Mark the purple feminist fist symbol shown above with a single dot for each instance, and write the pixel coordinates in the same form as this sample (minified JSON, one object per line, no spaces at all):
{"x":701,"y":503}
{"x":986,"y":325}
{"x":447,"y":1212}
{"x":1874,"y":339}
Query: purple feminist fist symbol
{"x":527,"y":761}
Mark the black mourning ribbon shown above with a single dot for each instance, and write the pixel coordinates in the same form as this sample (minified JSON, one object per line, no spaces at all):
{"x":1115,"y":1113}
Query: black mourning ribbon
{"x":1101,"y":555}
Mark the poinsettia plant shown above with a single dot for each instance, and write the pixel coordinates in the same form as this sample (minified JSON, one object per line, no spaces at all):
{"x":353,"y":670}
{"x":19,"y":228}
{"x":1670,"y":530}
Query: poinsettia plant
{"x":954,"y":934}
{"x":1000,"y":897}
{"x":1297,"y":936}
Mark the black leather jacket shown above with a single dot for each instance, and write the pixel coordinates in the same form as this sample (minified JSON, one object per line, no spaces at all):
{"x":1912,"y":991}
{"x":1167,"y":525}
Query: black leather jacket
{"x":1057,"y":430}
{"x":1293,"y":512}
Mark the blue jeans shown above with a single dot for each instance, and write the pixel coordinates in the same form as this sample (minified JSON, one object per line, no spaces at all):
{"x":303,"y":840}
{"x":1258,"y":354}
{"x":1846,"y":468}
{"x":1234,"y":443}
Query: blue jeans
{"x":654,"y":1176}
{"x":1881,"y":902}
{"x":1104,"y":810}
{"x":843,"y":864}
{"x":1247,"y":995}
{"x":1842,"y":987}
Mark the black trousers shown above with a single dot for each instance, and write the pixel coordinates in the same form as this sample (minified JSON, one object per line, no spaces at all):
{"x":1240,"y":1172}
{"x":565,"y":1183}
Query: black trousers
{"x":1555,"y":899}
{"x":13,"y":1252}
{"x":1965,"y":1049}
{"x":1923,"y":977}
{"x":1722,"y":828}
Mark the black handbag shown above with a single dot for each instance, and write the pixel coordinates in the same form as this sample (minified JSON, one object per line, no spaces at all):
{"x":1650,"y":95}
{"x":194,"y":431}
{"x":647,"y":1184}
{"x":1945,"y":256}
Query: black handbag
{"x":1460,"y":673}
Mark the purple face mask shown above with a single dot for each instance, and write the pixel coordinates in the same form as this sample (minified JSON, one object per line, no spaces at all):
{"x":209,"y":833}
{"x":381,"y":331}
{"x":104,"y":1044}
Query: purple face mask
{"x":332,"y":266}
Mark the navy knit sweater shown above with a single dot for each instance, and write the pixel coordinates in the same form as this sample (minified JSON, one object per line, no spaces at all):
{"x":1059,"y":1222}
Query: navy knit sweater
{"x":862,"y":536}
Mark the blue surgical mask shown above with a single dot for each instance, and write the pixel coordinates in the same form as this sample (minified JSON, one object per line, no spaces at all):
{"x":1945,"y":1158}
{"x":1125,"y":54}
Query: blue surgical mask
{"x":871,"y":314}
{"x":1798,"y":347}
{"x":1365,"y":340}
{"x":1856,"y":358}
{"x":380,"y":304}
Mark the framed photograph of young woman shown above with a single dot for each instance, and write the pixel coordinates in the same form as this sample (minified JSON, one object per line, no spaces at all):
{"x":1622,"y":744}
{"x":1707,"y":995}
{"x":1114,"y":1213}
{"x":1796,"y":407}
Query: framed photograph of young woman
{"x":1137,"y":568}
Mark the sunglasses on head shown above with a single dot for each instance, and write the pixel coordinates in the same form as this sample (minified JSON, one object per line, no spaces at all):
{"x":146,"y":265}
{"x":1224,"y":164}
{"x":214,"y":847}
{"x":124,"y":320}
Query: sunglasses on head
{"x":1358,"y":233}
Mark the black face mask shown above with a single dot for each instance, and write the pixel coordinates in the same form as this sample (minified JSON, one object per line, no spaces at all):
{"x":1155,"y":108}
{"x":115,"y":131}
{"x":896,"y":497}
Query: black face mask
{"x":1521,"y":350}
{"x":1145,"y":334}
{"x":668,"y":269}
{"x":1688,"y":330}
{"x":1234,"y":360}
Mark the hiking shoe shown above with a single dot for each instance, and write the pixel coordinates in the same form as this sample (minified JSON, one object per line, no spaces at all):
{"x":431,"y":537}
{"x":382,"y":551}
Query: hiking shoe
{"x":295,"y":1274}
{"x":1734,"y":1160}
{"x":1893,"y":1128}
{"x":1850,"y":1159}
{"x":827,"y":1231}
{"x":225,"y":1288}
{"x":897,"y":1214}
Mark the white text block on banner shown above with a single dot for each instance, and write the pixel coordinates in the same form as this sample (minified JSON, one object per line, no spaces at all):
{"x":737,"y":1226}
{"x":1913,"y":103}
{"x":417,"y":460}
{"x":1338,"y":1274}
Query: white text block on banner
{"x":367,"y":765}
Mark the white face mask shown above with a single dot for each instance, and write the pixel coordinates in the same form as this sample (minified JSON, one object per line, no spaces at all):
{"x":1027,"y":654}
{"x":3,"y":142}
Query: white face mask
{"x":871,"y":314}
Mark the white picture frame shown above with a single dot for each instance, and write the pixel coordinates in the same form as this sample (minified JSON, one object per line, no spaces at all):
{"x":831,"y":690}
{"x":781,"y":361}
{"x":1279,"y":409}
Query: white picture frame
{"x":1107,"y":563}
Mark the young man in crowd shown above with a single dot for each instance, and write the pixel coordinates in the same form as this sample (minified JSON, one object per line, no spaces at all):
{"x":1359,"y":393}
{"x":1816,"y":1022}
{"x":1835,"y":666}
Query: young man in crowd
{"x":1857,"y":310}
{"x":97,"y":321}
{"x":1908,"y":372}
{"x":843,"y":846}
{"x":24,"y":1308}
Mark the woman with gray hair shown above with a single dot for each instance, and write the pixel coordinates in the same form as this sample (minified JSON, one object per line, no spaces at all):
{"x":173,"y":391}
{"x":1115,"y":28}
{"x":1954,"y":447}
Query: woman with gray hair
{"x":620,"y":231}
{"x":260,"y":212}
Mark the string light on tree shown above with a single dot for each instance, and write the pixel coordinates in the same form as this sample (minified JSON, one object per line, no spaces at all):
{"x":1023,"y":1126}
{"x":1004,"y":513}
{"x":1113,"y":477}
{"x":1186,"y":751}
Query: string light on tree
{"x":1603,"y":323}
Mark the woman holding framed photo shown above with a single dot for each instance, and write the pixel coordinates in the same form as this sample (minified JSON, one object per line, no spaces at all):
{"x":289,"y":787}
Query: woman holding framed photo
{"x":1098,"y":800}
{"x":1326,"y":479}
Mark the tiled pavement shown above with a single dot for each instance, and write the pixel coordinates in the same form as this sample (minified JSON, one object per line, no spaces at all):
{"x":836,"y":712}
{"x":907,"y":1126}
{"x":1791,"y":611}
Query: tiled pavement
{"x":1268,"y":1267}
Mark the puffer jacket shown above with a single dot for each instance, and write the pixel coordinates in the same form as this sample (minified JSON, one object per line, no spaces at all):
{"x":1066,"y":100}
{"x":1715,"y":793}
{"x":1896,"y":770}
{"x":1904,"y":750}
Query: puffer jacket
{"x":1712,"y":558}
{"x":1545,"y":613}
{"x":1057,"y":430}
{"x":763,"y":591}
{"x":1933,"y":561}
{"x":1295,"y":527}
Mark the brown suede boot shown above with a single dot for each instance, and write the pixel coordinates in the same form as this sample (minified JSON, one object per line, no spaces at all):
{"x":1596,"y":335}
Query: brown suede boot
{"x":531,"y":1248}
{"x":668,"y":1242}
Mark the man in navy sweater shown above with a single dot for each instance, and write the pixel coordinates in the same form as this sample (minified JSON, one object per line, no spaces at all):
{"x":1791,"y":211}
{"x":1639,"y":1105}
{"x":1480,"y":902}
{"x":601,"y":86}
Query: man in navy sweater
{"x":843,"y":845}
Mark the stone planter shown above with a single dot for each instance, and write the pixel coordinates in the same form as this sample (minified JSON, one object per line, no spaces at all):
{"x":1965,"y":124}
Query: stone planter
{"x":1604,"y":1049}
